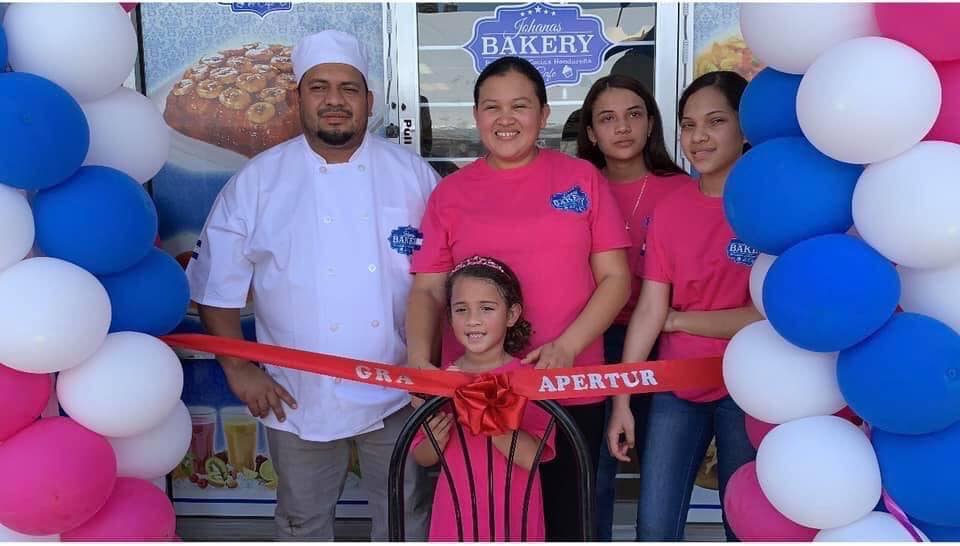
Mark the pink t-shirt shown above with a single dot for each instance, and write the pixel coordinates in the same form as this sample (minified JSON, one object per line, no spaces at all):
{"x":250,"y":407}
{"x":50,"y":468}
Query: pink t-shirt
{"x":692,"y":247}
{"x":544,"y":220}
{"x":443,"y":522}
{"x":637,"y":199}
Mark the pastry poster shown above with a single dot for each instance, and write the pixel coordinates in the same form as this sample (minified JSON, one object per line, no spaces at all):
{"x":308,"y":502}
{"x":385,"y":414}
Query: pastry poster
{"x":221,"y":74}
{"x":717,"y":42}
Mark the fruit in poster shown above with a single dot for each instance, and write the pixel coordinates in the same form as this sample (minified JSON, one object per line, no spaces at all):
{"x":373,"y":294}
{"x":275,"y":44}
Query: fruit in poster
{"x":217,"y":474}
{"x":268,"y":474}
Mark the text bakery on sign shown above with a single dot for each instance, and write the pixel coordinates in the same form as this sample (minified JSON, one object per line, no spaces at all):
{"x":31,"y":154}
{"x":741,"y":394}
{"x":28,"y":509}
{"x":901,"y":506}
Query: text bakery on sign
{"x":560,"y":41}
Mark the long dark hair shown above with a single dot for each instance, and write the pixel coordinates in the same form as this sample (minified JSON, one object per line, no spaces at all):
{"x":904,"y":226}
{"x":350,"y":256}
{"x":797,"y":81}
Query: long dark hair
{"x":519,"y":65}
{"x":497,"y":272}
{"x":730,"y":84}
{"x":655,"y":155}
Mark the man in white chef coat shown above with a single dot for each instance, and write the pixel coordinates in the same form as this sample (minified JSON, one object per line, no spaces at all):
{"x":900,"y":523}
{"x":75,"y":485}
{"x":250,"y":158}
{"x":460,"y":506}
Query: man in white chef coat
{"x":321,"y":228}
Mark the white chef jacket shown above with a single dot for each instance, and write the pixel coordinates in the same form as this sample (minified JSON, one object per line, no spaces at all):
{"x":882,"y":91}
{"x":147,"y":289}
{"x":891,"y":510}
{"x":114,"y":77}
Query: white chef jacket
{"x":326,"y":249}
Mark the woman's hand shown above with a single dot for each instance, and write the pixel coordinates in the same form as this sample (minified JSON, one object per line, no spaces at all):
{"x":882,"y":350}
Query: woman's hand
{"x":551,"y":355}
{"x":671,"y":324}
{"x":621,"y":422}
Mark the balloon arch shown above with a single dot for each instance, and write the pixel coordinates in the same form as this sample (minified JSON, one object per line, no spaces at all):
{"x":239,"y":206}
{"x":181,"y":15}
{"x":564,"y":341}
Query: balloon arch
{"x":850,"y":192}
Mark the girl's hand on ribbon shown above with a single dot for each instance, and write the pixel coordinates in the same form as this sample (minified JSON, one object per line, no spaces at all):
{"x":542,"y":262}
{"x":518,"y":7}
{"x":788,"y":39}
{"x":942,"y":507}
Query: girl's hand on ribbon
{"x":551,"y":355}
{"x":621,"y":422}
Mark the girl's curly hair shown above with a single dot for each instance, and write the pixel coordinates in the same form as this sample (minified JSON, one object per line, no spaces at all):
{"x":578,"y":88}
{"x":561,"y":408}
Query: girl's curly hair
{"x":497,"y":272}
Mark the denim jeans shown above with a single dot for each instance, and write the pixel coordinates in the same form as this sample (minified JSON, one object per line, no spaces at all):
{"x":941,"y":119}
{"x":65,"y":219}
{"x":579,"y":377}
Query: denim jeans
{"x":613,"y":340}
{"x":678,"y":434}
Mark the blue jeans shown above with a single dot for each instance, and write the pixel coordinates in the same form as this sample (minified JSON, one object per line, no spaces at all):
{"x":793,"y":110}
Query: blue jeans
{"x":678,"y":434}
{"x":607,"y":466}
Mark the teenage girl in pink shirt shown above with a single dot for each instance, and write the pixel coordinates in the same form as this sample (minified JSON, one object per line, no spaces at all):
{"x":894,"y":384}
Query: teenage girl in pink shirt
{"x":695,"y":291}
{"x":486,"y":308}
{"x":622,"y":135}
{"x":553,"y":218}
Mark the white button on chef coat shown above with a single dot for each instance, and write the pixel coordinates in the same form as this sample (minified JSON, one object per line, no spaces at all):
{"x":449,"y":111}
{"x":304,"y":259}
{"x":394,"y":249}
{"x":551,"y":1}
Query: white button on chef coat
{"x":268,"y":231}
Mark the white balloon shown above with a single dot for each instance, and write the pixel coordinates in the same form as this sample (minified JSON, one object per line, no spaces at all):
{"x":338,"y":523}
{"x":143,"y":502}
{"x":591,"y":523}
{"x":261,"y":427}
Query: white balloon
{"x":932,"y":292}
{"x":775,"y":381}
{"x":9,"y":535}
{"x":758,"y":273}
{"x":127,"y":387}
{"x":907,"y":207}
{"x":157,"y":451}
{"x":54,"y":315}
{"x":820,"y":472}
{"x":853,"y":111}
{"x":88,"y":49}
{"x":16,"y":226}
{"x":128,"y":133}
{"x":874,"y":527}
{"x":788,"y":37}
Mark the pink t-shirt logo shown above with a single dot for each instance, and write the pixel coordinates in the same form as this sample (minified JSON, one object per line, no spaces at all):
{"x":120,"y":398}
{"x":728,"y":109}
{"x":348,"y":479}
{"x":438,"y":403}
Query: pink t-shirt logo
{"x":741,"y":253}
{"x":574,"y":200}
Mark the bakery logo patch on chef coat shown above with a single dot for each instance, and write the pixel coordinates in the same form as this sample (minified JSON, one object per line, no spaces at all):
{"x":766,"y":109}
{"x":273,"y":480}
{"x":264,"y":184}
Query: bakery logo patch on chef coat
{"x":741,"y":253}
{"x":573,"y":200}
{"x":196,"y":250}
{"x":406,"y":239}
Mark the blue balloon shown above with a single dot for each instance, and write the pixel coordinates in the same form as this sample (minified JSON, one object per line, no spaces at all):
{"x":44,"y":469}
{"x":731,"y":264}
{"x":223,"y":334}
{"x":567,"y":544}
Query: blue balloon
{"x":100,"y":219}
{"x":150,"y":297}
{"x":45,"y":132}
{"x":768,"y":108}
{"x":922,"y":354}
{"x":784,"y":191}
{"x":920,"y":473}
{"x":939,"y":533}
{"x":829,"y":293}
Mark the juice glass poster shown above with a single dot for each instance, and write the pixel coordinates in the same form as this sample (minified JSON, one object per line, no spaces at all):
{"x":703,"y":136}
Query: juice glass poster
{"x":221,"y":74}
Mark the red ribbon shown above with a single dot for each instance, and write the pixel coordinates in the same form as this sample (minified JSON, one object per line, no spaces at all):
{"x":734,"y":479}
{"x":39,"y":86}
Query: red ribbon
{"x":492,"y":402}
{"x":488,"y":405}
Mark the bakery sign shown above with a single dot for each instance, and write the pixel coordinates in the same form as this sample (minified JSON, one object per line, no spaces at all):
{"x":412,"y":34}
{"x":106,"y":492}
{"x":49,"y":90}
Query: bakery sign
{"x":560,"y":41}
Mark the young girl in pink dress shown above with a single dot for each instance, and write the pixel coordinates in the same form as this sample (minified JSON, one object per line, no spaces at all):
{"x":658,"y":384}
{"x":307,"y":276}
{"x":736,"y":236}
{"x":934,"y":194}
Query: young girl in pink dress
{"x":486,"y":307}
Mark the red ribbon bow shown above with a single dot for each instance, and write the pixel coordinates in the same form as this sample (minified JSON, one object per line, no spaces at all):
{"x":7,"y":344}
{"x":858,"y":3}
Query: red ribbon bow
{"x":488,"y":405}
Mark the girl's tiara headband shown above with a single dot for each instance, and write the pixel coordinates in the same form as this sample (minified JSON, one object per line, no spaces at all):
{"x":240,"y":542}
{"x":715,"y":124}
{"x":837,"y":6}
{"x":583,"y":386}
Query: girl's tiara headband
{"x":479,"y":260}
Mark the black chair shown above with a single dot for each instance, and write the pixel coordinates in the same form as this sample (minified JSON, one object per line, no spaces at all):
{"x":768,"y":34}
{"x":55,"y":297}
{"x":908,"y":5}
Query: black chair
{"x":585,"y":477}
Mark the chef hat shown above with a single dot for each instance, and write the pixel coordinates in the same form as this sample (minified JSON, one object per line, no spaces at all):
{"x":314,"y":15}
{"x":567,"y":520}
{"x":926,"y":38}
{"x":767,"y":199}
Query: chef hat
{"x":329,"y":46}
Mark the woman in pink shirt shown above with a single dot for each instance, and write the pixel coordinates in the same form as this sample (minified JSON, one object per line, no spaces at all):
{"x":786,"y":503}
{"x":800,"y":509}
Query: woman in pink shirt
{"x":622,"y":135}
{"x":696,"y":292}
{"x":553,"y":218}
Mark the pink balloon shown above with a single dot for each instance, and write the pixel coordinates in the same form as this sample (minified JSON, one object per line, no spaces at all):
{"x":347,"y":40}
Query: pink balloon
{"x":752,"y":517}
{"x":757,"y":429}
{"x":22,"y":399}
{"x":56,"y":475}
{"x":930,"y":28}
{"x":136,"y":511}
{"x":947,"y":126}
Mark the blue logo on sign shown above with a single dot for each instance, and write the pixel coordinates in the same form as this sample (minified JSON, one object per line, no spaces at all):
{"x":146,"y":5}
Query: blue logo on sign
{"x":741,"y":253}
{"x":561,"y":42}
{"x":406,"y":239}
{"x":260,"y":8}
{"x":573,"y":200}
